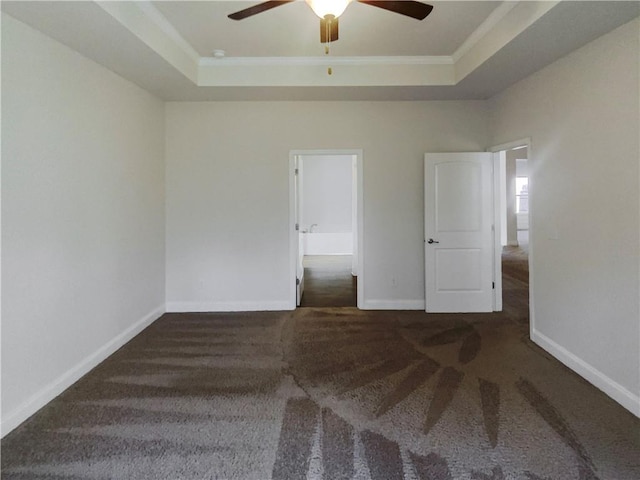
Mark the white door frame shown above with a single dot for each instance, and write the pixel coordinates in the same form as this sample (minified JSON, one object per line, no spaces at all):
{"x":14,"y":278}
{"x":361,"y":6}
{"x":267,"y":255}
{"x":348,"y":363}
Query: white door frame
{"x":293,"y":234}
{"x":523,"y":142}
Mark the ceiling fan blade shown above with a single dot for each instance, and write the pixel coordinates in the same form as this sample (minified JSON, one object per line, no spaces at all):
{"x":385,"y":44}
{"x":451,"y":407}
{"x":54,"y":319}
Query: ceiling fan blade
{"x":417,"y":10}
{"x":259,"y":8}
{"x":331,"y":29}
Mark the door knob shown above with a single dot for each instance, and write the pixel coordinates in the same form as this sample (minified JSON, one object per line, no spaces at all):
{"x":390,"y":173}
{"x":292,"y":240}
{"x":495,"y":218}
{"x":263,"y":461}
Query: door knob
{"x":431,"y":240}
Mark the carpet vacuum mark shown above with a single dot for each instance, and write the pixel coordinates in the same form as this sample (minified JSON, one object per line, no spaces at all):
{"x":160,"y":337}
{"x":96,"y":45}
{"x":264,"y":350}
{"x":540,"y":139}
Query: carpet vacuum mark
{"x":328,"y":394}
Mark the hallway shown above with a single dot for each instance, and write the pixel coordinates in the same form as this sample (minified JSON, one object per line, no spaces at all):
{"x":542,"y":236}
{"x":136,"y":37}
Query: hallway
{"x":515,"y":283}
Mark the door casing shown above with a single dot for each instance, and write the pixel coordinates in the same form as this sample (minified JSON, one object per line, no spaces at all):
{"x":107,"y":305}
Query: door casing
{"x":496,"y":150}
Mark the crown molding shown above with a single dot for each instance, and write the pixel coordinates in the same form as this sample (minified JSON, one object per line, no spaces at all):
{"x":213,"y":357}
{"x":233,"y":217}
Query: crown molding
{"x":485,"y":27}
{"x":145,"y":22}
{"x":323,"y":61}
{"x":496,"y":32}
{"x":159,"y":19}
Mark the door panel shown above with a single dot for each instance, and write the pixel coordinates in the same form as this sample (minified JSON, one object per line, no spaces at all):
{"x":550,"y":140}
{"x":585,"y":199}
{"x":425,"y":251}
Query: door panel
{"x":458,"y":269}
{"x":458,"y":232}
{"x":458,"y":197}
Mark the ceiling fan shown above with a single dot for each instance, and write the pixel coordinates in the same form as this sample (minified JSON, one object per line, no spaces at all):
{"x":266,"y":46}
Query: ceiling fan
{"x":330,"y":10}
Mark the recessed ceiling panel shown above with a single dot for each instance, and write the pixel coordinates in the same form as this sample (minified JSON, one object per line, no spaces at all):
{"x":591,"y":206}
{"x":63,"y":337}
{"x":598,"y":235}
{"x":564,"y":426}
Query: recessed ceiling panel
{"x":294,"y":30}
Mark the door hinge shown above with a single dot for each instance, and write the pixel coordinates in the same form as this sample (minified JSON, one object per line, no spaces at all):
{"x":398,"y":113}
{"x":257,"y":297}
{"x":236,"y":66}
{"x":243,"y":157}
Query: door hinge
{"x":296,"y":171}
{"x":297,"y":227}
{"x":297,"y":281}
{"x":493,"y":284}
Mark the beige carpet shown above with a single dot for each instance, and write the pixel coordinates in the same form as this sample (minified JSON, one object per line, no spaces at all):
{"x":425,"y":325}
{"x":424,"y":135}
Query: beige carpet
{"x":324,"y":393}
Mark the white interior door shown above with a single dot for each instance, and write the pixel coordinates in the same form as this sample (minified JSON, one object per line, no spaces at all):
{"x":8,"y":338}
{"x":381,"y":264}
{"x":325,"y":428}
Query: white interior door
{"x":299,"y":230}
{"x":458,"y":232}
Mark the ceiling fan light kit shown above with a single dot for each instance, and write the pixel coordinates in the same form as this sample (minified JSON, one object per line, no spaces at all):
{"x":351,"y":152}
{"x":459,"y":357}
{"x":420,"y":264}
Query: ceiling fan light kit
{"x":322,"y":8}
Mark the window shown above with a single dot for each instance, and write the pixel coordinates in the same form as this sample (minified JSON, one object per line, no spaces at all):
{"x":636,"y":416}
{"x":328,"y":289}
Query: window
{"x":522,"y":194}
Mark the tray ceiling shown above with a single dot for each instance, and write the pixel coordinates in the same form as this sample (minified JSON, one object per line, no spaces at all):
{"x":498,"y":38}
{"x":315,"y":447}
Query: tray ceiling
{"x":463,"y":50}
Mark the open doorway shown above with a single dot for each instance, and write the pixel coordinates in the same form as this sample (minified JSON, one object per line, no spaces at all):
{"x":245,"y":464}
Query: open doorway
{"x":326,"y":245}
{"x":512,"y":177}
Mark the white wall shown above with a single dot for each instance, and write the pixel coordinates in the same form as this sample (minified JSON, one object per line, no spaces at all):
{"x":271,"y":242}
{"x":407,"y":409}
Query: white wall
{"x":82,"y":216}
{"x":327,"y":193}
{"x":327,"y":204}
{"x":227,"y":193}
{"x":582,"y":113}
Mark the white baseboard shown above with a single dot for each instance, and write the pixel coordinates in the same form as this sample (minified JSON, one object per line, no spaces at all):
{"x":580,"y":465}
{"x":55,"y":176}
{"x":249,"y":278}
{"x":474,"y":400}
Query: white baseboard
{"x":239,"y":306}
{"x":393,"y":305}
{"x":60,"y":384}
{"x":612,"y":388}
